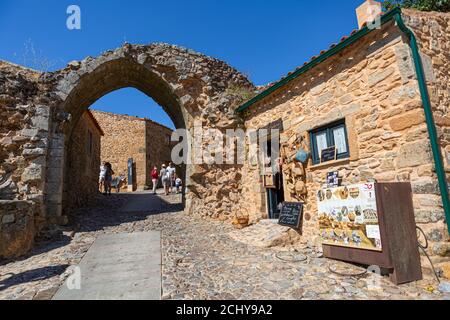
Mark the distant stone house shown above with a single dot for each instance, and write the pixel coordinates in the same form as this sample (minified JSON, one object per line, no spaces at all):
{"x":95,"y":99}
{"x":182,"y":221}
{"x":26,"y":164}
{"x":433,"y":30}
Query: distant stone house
{"x":363,"y":96}
{"x":83,"y":162}
{"x":126,"y":137}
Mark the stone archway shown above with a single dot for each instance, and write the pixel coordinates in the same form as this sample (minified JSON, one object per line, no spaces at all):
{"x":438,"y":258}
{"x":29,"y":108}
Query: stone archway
{"x":189,"y":86}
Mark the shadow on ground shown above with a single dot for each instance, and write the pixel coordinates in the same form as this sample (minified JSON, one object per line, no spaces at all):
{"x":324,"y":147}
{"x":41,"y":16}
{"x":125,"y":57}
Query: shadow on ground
{"x":134,"y":207}
{"x":43,"y":245}
{"x":108,"y":211}
{"x":31,"y":276}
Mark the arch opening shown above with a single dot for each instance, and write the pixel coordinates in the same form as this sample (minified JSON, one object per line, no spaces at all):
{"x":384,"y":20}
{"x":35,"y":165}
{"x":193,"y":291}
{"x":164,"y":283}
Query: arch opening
{"x":192,"y":88}
{"x":108,"y":78}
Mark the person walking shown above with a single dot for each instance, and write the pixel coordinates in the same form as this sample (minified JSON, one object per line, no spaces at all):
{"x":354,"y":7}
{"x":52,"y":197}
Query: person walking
{"x":165,"y":178}
{"x":172,"y":176}
{"x":155,"y":178}
{"x":108,"y":178}
{"x":102,"y":176}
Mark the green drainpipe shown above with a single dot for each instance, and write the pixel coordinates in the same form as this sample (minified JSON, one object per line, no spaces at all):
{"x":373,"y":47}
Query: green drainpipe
{"x":440,"y":171}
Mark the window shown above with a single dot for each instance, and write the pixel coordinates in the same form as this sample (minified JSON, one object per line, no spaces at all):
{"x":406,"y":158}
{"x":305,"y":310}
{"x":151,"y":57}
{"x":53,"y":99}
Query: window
{"x":333,"y":135}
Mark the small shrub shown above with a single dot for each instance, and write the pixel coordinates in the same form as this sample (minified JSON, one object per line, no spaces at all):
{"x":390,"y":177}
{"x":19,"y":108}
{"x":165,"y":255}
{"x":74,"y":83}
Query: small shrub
{"x":422,"y":5}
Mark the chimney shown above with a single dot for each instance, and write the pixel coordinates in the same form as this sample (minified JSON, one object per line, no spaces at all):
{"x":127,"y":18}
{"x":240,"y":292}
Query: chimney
{"x":368,"y":12}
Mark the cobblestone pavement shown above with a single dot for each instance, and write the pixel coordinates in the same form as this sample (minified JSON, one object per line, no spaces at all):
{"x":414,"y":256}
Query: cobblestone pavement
{"x":201,"y":260}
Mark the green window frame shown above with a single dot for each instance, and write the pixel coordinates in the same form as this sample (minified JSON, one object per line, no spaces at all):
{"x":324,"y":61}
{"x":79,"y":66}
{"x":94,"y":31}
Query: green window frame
{"x":331,"y":135}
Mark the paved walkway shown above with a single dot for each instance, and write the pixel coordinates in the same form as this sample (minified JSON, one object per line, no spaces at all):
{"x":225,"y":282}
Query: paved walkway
{"x":118,"y":267}
{"x":142,"y":201}
{"x":201,"y":259}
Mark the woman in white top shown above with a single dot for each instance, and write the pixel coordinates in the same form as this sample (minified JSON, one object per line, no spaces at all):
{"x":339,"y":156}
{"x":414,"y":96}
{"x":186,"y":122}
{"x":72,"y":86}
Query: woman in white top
{"x":102,"y":176}
{"x":165,"y":178}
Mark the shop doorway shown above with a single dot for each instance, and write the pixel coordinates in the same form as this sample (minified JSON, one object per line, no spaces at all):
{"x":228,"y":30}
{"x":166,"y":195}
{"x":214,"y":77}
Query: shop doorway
{"x":275,"y":195}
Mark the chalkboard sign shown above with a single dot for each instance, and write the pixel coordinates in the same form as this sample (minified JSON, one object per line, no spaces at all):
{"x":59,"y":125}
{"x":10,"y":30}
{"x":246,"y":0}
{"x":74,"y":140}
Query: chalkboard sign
{"x":328,"y":154}
{"x":291,"y":215}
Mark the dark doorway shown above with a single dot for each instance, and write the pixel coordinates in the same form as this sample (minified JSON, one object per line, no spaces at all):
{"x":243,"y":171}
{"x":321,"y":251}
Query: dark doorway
{"x":275,"y":196}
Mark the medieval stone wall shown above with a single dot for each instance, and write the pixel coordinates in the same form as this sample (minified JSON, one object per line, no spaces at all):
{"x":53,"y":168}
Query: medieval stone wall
{"x":39,"y":113}
{"x":83,"y":163}
{"x":372,"y":85}
{"x":24,"y":131}
{"x":190,"y":87}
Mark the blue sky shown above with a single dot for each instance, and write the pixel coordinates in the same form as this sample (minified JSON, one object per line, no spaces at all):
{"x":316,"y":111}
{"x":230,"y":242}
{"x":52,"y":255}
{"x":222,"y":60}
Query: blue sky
{"x":263,"y":39}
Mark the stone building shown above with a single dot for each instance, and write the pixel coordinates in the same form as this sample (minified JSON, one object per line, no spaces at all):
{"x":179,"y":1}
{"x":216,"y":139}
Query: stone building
{"x":83,"y":162}
{"x":364,"y":96}
{"x":148,"y":143}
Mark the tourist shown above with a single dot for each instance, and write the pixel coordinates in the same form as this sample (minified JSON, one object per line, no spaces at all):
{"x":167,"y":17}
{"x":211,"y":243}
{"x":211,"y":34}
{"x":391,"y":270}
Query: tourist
{"x":102,"y":176}
{"x":178,"y":184}
{"x":165,"y":179}
{"x":155,"y":178}
{"x":108,"y":178}
{"x":172,"y":176}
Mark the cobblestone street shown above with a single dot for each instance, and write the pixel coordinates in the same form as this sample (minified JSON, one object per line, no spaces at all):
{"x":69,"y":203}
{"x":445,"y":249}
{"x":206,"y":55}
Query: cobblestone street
{"x":201,"y":260}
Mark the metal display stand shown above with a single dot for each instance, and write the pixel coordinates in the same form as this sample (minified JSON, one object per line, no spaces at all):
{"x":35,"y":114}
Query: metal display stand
{"x":400,"y":254}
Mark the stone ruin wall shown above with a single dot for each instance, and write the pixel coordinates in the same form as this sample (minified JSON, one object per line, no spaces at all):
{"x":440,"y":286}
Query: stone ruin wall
{"x":373,"y":86}
{"x":44,"y":108}
{"x":24,"y":133}
{"x":170,"y":75}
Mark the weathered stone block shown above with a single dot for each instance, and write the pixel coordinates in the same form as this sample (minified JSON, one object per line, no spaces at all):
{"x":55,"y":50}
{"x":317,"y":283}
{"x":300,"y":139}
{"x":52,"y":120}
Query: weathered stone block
{"x":404,"y":93}
{"x":29,"y":133}
{"x":18,"y":230}
{"x":407,"y":120}
{"x":324,"y":98}
{"x":428,"y":216}
{"x":441,"y":249}
{"x":405,"y":61}
{"x":9,"y":218}
{"x":36,"y":152}
{"x":41,"y":123}
{"x":57,"y":152}
{"x":425,"y":187}
{"x":377,"y":77}
{"x":414,"y":154}
{"x":428,"y":68}
{"x":33,"y":173}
